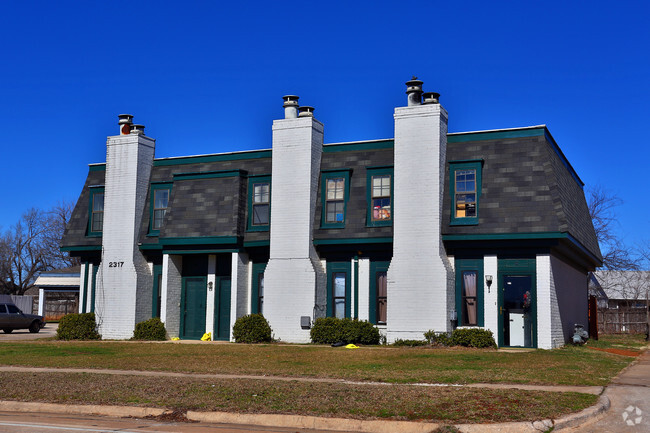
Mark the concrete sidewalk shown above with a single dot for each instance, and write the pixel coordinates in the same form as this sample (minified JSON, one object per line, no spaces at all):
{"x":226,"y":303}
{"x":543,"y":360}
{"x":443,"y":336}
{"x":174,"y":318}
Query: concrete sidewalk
{"x":629,"y":394}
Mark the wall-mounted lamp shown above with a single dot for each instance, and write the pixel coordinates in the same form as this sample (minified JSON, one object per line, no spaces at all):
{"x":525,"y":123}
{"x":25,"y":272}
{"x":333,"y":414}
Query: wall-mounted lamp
{"x":210,"y":286}
{"x":488,"y":280}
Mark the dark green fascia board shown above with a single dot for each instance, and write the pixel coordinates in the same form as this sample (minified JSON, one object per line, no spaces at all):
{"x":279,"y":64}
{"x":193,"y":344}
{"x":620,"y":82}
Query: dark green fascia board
{"x":598,"y":261}
{"x":249,"y":244}
{"x":210,"y":174}
{"x":75,"y":248}
{"x":352,"y":241}
{"x":150,"y":247}
{"x":236,"y":156}
{"x":337,"y":170}
{"x":162,"y":183}
{"x":97,"y":167}
{"x":206,"y":251}
{"x":200,"y":240}
{"x":464,"y":137}
{"x":363,"y":145}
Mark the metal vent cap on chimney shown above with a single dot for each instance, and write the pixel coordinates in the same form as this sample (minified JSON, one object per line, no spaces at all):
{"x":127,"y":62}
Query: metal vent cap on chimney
{"x":306,"y":111}
{"x":431,"y":98}
{"x":290,"y":106}
{"x":414,"y":91}
{"x":137,"y":129}
{"x":125,"y":122}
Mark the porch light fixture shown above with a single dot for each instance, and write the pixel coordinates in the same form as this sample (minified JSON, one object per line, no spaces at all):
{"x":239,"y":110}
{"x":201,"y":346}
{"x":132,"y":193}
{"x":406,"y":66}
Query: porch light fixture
{"x":210,"y":286}
{"x":488,"y":280}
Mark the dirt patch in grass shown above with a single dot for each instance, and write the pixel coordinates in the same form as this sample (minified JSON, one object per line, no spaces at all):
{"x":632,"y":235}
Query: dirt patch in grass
{"x":622,"y":352}
{"x":171,"y":416}
{"x":398,"y":402}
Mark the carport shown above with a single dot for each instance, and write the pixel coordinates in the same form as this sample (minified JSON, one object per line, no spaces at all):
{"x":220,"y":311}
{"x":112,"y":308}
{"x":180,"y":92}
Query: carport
{"x":58,"y":292}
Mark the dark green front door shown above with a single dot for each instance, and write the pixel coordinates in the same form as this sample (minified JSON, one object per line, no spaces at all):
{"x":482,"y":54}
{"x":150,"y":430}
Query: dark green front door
{"x":222,"y":310}
{"x":193,"y":308}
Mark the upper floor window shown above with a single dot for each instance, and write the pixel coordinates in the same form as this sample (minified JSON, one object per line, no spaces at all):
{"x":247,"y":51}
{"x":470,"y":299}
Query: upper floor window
{"x":380,"y":196}
{"x":335,"y":196}
{"x":160,"y":195}
{"x":259,"y":203}
{"x":96,"y":214}
{"x":465,"y":185}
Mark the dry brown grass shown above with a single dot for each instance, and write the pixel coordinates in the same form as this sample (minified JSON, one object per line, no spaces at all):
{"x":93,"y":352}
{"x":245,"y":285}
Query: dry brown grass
{"x":402,"y":402}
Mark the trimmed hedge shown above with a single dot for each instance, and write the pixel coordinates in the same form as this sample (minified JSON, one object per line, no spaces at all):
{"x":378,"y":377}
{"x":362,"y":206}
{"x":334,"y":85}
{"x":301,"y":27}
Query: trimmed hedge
{"x":78,"y":327}
{"x":409,"y":343}
{"x":473,"y":337}
{"x":438,"y":338}
{"x":253,"y":328}
{"x":330,"y":330}
{"x":150,"y":330}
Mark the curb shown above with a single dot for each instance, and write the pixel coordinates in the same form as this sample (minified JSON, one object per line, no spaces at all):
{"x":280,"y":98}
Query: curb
{"x":311,"y":422}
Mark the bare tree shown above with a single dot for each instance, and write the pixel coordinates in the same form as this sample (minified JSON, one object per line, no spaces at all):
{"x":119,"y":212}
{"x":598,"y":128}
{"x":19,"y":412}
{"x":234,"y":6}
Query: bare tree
{"x":602,"y":209}
{"x":31,"y":246}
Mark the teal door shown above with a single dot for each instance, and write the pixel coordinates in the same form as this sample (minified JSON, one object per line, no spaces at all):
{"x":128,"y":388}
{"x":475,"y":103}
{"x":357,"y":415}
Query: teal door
{"x":193,"y":308}
{"x":222,"y":310}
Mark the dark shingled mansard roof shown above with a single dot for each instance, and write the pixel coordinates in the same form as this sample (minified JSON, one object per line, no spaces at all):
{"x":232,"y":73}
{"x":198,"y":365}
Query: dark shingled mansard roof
{"x":528,"y":187}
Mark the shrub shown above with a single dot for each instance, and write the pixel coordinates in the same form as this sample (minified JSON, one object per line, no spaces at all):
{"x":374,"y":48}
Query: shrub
{"x":78,"y":327}
{"x":253,"y":328}
{"x":437,"y":338}
{"x":409,"y":343}
{"x":151,"y":330}
{"x":330,"y":330}
{"x":473,"y":337}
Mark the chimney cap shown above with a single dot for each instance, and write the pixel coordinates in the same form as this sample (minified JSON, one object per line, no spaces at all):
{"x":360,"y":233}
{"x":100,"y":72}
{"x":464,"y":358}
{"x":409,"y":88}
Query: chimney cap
{"x":431,"y":98}
{"x":137,"y":129}
{"x":290,"y":100}
{"x":306,"y":111}
{"x":125,"y":118}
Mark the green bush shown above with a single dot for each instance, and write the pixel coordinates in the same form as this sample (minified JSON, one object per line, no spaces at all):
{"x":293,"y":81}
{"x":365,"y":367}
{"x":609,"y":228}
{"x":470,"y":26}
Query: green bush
{"x":150,"y":330}
{"x":78,"y":327}
{"x":473,"y":337}
{"x":330,"y":330}
{"x":409,"y":343}
{"x":253,"y":328}
{"x":437,"y":338}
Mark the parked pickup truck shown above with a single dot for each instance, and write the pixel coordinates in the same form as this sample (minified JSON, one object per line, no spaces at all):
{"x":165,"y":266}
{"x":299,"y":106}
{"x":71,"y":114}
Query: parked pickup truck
{"x":12,"y":318}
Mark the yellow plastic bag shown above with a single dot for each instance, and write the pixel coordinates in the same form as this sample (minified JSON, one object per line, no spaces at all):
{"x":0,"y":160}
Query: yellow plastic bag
{"x":175,"y":339}
{"x":351,"y":346}
{"x":207,"y":336}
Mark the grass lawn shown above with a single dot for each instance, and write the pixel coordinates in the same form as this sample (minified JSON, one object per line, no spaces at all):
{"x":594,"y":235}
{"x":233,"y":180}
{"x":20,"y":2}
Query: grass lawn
{"x":400,"y":402}
{"x":568,"y":365}
{"x":565,"y":366}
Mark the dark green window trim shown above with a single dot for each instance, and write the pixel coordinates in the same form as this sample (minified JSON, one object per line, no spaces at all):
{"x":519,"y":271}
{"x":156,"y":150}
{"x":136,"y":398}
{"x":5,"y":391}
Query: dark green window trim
{"x":95,"y":190}
{"x":463,"y":266}
{"x":257,"y":306}
{"x":458,"y":166}
{"x":375,"y":269}
{"x":373,"y":172}
{"x":157,"y":187}
{"x":157,"y":288}
{"x":331,"y":175}
{"x":335,"y":269}
{"x":252,"y":181}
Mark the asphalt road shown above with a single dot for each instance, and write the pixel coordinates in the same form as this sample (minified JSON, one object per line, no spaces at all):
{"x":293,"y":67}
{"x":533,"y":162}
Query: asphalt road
{"x":45,"y":423}
{"x":24,"y":334}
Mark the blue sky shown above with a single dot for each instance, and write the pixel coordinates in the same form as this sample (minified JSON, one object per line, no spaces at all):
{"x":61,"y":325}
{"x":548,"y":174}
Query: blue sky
{"x":208,"y":77}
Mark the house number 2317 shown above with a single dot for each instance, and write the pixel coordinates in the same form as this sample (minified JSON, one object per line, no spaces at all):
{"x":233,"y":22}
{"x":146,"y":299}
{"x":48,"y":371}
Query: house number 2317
{"x":115,"y":264}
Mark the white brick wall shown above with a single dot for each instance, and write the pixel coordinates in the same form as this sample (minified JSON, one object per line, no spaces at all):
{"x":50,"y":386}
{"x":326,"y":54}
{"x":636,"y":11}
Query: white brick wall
{"x":210,"y":294}
{"x":293,"y":273}
{"x":170,"y":308}
{"x":569,"y":305}
{"x":420,"y":284}
{"x":490,"y":299}
{"x":546,"y":302}
{"x":364,"y":289}
{"x":239,"y":300}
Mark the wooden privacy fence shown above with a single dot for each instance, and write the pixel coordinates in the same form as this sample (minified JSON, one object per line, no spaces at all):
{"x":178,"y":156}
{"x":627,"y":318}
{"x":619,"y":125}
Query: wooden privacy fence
{"x":622,"y":321}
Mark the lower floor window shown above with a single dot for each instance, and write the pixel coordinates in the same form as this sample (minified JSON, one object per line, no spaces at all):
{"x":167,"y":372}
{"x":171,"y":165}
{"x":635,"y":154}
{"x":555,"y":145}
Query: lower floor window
{"x":382,"y":286}
{"x":469,"y":299}
{"x":338,"y":284}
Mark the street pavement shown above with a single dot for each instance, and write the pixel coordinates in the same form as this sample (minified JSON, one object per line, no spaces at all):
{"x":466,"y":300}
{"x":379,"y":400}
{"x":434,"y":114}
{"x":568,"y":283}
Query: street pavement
{"x":24,"y":334}
{"x":629,"y":394}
